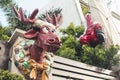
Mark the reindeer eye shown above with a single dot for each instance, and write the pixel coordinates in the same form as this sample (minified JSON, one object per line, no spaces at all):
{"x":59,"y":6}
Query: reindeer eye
{"x":53,"y":31}
{"x":45,"y":29}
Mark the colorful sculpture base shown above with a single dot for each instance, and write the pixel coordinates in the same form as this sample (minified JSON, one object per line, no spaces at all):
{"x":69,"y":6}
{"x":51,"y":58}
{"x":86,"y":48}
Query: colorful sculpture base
{"x":29,"y":67}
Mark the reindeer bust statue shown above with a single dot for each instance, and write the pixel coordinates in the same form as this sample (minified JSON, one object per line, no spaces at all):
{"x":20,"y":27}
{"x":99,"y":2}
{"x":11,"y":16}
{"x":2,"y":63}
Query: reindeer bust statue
{"x":93,"y":34}
{"x":34,"y":58}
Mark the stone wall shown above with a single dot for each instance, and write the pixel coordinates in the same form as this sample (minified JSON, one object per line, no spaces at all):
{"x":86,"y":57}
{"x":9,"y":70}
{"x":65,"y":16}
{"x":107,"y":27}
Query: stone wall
{"x":4,"y":54}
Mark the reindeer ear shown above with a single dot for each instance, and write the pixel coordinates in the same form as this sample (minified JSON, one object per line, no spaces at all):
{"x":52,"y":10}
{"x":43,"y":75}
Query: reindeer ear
{"x":31,"y":34}
{"x":89,"y":20}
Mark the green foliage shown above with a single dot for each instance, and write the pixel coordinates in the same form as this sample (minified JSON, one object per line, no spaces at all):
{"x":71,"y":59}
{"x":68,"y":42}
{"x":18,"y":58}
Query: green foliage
{"x":55,"y":11}
{"x":7,"y":7}
{"x":6,"y":75}
{"x":85,"y":9}
{"x":5,"y":33}
{"x":72,"y":30}
{"x":98,"y":56}
{"x":70,"y":47}
{"x":4,"y":3}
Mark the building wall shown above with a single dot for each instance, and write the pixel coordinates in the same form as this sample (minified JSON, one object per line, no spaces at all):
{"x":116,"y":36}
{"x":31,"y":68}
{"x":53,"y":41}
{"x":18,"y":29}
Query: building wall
{"x":70,"y":11}
{"x":116,"y":23}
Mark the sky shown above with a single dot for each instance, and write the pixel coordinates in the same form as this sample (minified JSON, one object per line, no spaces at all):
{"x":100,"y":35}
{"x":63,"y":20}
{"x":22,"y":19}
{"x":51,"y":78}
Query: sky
{"x":3,"y":18}
{"x":30,"y":5}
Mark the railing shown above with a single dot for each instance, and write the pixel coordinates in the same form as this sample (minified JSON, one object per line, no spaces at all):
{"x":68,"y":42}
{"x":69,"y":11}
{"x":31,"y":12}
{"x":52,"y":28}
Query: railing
{"x":66,"y":69}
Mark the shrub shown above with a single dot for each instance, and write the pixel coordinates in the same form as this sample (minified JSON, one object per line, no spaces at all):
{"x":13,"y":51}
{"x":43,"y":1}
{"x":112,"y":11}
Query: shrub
{"x":6,"y":75}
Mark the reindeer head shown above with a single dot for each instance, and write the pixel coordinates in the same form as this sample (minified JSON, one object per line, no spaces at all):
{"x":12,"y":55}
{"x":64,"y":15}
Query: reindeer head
{"x":93,"y":34}
{"x":43,"y":30}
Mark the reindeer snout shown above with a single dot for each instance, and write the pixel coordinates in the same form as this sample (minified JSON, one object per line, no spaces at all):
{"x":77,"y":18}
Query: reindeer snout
{"x":54,"y":40}
{"x":51,"y":40}
{"x":54,"y":44}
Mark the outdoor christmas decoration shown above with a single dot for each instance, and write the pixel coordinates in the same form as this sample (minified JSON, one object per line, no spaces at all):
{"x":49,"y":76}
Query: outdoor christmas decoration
{"x":34,"y":57}
{"x":93,"y":34}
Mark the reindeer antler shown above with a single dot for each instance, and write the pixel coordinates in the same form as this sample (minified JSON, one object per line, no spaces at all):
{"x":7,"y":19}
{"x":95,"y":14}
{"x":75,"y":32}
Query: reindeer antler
{"x":21,"y":16}
{"x":54,"y":19}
